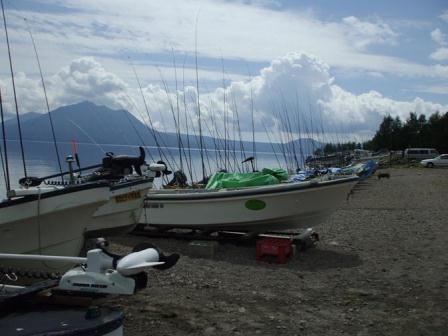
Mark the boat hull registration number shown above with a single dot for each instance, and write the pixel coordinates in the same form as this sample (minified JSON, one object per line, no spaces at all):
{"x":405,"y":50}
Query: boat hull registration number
{"x":128,"y":197}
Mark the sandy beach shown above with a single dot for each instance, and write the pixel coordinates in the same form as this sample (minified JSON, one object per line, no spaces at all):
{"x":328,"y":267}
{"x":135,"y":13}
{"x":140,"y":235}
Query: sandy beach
{"x":381,"y":268}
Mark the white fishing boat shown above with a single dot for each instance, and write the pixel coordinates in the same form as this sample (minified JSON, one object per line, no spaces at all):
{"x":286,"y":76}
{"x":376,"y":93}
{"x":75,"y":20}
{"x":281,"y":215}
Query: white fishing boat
{"x":48,"y":220}
{"x":57,"y":219}
{"x":130,"y":179}
{"x":274,"y":207}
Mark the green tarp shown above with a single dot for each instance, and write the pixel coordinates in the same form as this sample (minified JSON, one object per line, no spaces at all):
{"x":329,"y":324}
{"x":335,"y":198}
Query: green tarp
{"x":240,"y":180}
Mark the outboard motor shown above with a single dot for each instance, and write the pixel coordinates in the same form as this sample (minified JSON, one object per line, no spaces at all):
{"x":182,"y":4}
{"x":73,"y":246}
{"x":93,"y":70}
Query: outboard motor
{"x":118,"y":166}
{"x":123,"y":164}
{"x":163,"y":172}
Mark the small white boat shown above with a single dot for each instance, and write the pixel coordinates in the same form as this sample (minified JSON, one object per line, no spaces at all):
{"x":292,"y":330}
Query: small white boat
{"x":123,"y":209}
{"x":48,"y":221}
{"x":56,"y":220}
{"x":257,"y":209}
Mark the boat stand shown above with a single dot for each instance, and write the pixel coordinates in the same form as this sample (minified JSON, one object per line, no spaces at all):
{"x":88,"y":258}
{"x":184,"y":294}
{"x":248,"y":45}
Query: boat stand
{"x":303,"y":240}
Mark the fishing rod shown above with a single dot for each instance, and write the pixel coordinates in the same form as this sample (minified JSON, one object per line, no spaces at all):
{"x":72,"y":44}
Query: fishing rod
{"x":284,"y":134}
{"x":214,"y":133}
{"x":225,"y":115}
{"x":6,"y":168}
{"x":307,"y":132}
{"x":3,"y":168}
{"x":14,"y":90}
{"x":151,"y":129}
{"x":270,"y":142}
{"x":254,"y":149}
{"x":299,"y":129}
{"x":46,"y":98}
{"x":218,"y":143}
{"x":235,"y":164}
{"x":193,"y":129}
{"x":215,"y":142}
{"x":137,"y":132}
{"x":177,"y":122}
{"x":254,"y":146}
{"x":235,"y":109}
{"x":145,"y":124}
{"x":184,"y":99}
{"x":289,"y":130}
{"x":164,"y":130}
{"x":311,"y":125}
{"x":206,"y":152}
{"x":198,"y":98}
{"x":87,"y":135}
{"x":279,"y":137}
{"x":229,"y":148}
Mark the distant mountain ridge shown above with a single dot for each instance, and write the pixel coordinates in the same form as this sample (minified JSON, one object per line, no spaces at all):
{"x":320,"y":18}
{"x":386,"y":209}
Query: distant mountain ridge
{"x":90,"y":123}
{"x":8,"y":115}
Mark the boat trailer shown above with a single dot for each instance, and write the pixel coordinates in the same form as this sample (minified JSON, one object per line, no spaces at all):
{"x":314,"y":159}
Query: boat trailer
{"x":303,"y":240}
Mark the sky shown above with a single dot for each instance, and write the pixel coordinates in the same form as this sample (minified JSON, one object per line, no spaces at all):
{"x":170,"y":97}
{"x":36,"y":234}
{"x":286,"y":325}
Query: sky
{"x":342,"y":65}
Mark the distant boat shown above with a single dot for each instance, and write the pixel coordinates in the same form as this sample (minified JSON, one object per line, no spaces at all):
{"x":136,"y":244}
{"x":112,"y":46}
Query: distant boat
{"x":257,"y":209}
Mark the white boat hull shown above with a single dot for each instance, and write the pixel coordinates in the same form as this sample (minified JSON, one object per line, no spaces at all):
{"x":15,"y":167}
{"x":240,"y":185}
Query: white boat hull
{"x":53,"y":224}
{"x":123,"y":210}
{"x":279,"y":207}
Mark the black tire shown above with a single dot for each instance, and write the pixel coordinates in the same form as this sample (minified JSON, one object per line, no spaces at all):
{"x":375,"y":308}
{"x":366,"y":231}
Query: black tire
{"x":430,"y":165}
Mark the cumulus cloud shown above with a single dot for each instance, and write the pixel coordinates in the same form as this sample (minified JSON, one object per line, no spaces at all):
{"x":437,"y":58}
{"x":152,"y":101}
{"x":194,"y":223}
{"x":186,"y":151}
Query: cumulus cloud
{"x":444,"y":16}
{"x":296,"y":88}
{"x":440,"y":54}
{"x":110,"y":29}
{"x":86,"y":79}
{"x":364,"y":33}
{"x":438,"y":37}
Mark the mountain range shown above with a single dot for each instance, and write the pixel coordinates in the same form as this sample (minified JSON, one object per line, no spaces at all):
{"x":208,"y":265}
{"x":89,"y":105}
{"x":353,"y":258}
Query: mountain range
{"x":90,"y":123}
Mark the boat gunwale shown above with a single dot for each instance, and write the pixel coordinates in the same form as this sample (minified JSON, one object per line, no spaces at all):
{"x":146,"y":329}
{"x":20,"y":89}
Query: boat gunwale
{"x":130,"y":183}
{"x":66,"y":190}
{"x":247,"y":191}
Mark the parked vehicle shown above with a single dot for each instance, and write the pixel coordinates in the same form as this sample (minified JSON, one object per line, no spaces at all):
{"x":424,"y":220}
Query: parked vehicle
{"x":420,"y":153}
{"x":440,"y":161}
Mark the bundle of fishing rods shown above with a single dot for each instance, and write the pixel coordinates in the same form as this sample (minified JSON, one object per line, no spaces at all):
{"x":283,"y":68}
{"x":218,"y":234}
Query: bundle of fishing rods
{"x":229,"y":151}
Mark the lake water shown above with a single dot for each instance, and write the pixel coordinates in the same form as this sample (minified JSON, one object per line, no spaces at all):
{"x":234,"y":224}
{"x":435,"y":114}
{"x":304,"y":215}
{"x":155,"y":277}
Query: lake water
{"x":41,"y":159}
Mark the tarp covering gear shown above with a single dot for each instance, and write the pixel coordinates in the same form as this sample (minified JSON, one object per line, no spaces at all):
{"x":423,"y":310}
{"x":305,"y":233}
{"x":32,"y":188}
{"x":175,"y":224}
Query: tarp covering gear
{"x":241,"y":180}
{"x":363,"y":170}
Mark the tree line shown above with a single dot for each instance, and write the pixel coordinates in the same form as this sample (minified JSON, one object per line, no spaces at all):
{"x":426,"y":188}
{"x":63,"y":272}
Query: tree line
{"x":415,"y":132}
{"x":395,"y":134}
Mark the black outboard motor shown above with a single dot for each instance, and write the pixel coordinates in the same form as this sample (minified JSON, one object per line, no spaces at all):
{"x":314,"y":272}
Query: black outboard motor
{"x":165,"y":172}
{"x":117,"y":166}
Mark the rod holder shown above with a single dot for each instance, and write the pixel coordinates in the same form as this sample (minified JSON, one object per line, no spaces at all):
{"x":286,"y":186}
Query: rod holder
{"x":69,"y":159}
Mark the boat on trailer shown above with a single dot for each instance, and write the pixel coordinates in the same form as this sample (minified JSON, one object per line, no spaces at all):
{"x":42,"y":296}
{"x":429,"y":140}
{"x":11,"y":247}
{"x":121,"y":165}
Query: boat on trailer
{"x":281,"y":206}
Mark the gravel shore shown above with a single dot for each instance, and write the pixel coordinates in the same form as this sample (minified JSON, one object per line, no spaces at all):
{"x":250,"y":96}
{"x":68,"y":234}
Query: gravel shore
{"x":381,"y":268}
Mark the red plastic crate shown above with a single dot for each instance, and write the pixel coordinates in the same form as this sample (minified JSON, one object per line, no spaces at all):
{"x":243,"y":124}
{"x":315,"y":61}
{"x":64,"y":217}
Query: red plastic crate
{"x":279,"y":247}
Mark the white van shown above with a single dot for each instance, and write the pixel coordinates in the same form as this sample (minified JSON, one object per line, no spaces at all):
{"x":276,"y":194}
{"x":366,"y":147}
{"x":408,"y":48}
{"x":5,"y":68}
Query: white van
{"x":420,"y":153}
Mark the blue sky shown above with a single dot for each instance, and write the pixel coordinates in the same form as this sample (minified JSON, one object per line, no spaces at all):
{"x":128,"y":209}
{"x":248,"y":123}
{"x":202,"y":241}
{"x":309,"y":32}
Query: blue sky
{"x":369,"y":58}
